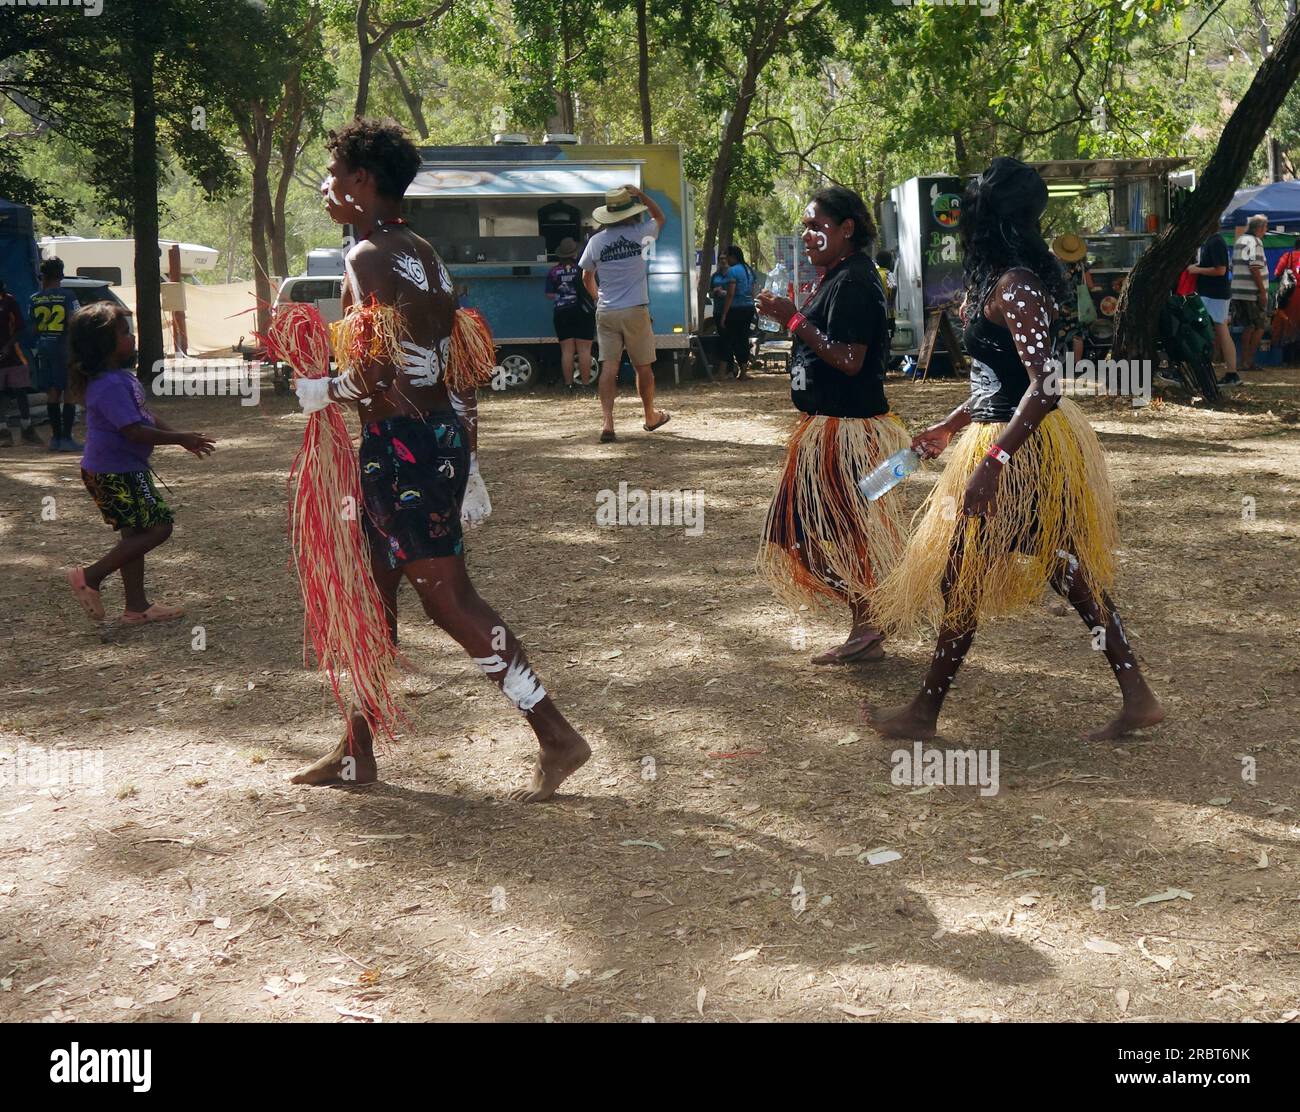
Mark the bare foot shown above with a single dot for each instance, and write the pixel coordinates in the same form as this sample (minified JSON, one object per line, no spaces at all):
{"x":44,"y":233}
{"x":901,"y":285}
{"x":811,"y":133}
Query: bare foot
{"x":862,"y":646}
{"x":341,"y":767}
{"x":555,"y":764}
{"x":1141,"y":710}
{"x":909,"y":721}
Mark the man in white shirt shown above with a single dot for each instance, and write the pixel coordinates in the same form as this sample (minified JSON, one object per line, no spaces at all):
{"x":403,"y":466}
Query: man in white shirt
{"x":1250,"y":288}
{"x":614,"y":272}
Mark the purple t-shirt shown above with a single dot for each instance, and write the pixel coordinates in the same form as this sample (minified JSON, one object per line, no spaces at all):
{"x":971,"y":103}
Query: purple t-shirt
{"x":114,"y":400}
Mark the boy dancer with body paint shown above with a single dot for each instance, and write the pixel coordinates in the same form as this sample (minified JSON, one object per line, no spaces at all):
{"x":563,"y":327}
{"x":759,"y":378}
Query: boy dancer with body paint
{"x":419,"y":463}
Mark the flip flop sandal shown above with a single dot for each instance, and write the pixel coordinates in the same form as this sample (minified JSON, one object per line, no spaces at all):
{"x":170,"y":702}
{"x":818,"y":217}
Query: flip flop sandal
{"x":863,"y":653}
{"x":89,"y":598}
{"x":158,"y":612}
{"x":606,"y":436}
{"x":658,"y":424}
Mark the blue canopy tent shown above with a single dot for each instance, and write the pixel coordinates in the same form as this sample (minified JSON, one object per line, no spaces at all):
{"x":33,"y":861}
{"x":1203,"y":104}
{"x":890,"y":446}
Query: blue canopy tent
{"x":1279,"y":201}
{"x":19,"y":255}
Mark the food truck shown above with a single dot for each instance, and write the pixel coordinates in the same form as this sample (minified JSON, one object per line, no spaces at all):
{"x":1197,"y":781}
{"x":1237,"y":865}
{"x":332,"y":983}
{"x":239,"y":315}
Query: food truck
{"x":496,"y":215}
{"x":920,"y":226}
{"x":1138,"y":194}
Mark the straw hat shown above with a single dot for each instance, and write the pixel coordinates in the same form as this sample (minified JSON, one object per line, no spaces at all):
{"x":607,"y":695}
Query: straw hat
{"x":568,"y":248}
{"x":1069,"y":248}
{"x":619,"y":205}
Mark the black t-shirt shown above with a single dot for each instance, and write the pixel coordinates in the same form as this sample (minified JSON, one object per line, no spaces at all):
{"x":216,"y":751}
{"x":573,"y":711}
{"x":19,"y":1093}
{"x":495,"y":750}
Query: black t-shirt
{"x":1214,"y":252}
{"x":848,"y":307}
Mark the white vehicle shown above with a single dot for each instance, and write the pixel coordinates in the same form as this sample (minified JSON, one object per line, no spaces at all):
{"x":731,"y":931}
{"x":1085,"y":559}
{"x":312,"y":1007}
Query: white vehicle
{"x":323,"y":291}
{"x":113,"y":260}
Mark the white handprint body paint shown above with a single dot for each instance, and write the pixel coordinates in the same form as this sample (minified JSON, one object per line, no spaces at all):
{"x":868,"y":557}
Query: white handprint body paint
{"x":409,"y":267}
{"x":520,"y":685}
{"x":424,"y":366}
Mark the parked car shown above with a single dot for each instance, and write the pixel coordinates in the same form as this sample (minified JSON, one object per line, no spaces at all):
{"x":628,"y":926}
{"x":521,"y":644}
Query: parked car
{"x":89,"y":290}
{"x":323,"y":291}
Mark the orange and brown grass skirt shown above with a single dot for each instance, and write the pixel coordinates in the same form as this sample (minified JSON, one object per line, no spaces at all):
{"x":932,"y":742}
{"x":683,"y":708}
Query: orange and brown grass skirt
{"x":824,"y":541}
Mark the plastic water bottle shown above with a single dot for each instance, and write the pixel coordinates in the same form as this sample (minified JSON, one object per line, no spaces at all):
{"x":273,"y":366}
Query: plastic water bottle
{"x":889,"y":474}
{"x":778,"y":284}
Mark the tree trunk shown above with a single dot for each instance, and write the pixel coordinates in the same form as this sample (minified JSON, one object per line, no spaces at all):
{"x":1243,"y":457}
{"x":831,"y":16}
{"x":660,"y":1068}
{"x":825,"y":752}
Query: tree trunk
{"x":727,"y":226}
{"x":260,"y":221}
{"x":366,"y":51}
{"x":761,"y":48}
{"x":289,"y":149}
{"x":1138,"y":315}
{"x":144,"y":212}
{"x":414,"y":101}
{"x":643,"y":70}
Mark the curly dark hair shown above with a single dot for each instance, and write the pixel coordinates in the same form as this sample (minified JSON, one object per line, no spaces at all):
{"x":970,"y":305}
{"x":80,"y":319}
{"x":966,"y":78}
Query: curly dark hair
{"x":842,"y":204}
{"x":383,"y":148}
{"x":92,"y":338}
{"x":994,"y":242}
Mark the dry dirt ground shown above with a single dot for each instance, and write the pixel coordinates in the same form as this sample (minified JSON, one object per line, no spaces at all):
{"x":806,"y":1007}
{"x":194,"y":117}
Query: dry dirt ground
{"x":194,"y":882}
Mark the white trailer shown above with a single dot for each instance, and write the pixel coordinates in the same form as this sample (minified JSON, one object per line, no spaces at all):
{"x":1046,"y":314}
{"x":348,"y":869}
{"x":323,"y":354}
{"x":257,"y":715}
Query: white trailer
{"x":113,"y":260}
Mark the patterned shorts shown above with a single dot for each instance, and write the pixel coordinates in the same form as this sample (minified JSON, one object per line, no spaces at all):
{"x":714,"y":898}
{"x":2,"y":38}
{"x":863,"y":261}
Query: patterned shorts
{"x":127,"y":499}
{"x":413,"y":476}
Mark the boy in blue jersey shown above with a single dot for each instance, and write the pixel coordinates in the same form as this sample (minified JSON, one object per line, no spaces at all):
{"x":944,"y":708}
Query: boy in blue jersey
{"x":52,"y":307}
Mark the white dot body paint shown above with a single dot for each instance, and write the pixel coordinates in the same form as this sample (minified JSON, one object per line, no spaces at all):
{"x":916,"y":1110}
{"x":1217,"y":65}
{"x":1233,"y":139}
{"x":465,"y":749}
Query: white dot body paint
{"x":353,"y":202}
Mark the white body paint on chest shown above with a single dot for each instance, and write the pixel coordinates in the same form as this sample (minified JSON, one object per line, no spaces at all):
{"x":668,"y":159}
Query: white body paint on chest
{"x":353,"y":285}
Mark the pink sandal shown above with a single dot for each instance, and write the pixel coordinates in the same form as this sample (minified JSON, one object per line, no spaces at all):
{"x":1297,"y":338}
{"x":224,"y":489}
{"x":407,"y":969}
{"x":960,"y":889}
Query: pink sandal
{"x":156,"y":613}
{"x":89,"y":598}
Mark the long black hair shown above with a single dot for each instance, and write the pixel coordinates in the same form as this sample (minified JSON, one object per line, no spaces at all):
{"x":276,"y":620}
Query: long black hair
{"x":841,"y":204}
{"x":999,"y":232}
{"x":92,"y":339}
{"x":734,"y":252}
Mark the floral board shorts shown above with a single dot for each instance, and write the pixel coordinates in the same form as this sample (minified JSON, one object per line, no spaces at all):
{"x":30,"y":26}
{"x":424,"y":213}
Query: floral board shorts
{"x":127,"y":499}
{"x":413,"y":476}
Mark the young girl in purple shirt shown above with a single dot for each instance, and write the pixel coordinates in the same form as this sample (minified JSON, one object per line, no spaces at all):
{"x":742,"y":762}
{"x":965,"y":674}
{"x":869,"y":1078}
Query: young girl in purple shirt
{"x":120,"y":436}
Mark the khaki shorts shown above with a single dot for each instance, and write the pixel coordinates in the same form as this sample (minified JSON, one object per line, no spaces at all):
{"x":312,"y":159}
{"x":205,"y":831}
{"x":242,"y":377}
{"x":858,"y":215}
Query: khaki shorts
{"x":617,"y":329}
{"x":1248,"y":314}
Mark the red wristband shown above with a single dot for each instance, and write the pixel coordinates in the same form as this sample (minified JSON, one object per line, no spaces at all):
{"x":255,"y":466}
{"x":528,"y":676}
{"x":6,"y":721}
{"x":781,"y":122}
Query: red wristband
{"x":997,"y":454}
{"x":794,"y":322}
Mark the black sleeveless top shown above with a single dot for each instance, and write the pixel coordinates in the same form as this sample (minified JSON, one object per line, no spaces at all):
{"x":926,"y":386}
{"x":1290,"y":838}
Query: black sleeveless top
{"x":998,"y":379}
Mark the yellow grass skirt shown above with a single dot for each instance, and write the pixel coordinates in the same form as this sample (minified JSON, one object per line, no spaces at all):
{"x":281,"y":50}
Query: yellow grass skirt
{"x":1054,"y":497}
{"x":823,"y":540}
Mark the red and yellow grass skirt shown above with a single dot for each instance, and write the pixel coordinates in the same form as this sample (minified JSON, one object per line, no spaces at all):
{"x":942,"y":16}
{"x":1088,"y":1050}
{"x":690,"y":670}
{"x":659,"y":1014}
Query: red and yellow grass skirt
{"x":823,"y":540}
{"x":1054,"y":497}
